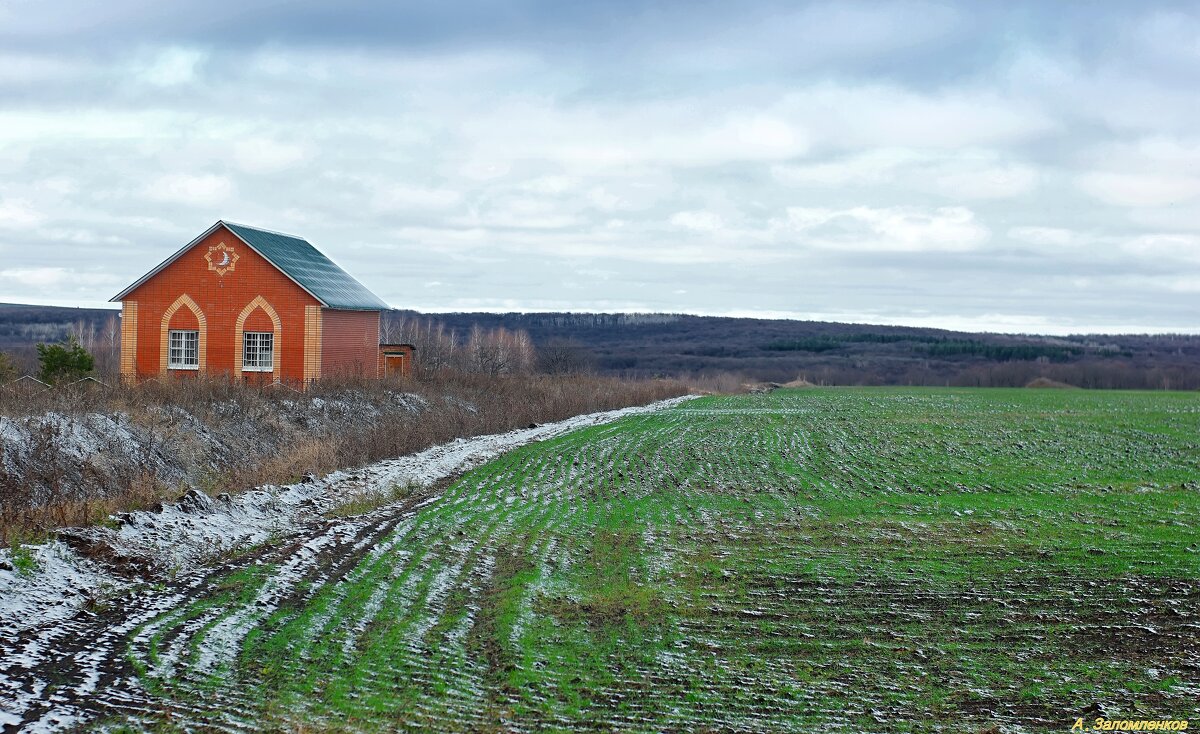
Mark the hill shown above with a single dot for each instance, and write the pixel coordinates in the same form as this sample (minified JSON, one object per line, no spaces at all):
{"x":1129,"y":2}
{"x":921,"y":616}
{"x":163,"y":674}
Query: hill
{"x":781,"y":350}
{"x":22,"y":325}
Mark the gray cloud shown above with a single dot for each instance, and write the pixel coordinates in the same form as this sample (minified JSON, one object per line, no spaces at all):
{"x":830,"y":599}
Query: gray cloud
{"x":1015,"y":167}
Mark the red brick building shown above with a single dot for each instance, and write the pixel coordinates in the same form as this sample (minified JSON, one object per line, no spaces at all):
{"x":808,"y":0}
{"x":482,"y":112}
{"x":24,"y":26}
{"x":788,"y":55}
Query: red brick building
{"x":255,"y":305}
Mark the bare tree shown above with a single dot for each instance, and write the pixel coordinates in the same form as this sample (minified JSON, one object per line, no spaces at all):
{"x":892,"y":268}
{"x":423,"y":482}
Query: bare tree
{"x":564,"y":357}
{"x":499,"y":351}
{"x":496,"y":351}
{"x":84,"y":333}
{"x":108,"y":347}
{"x":436,"y":348}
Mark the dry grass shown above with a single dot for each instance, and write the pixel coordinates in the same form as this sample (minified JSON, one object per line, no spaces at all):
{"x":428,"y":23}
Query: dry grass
{"x":34,"y":522}
{"x":223,"y":437}
{"x":717,"y":383}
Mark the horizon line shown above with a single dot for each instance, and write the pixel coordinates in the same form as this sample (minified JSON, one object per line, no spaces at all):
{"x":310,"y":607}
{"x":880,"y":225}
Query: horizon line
{"x":940,"y":323}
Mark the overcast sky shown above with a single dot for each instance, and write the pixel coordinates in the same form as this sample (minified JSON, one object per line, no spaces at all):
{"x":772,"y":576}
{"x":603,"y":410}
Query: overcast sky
{"x":983,"y":165}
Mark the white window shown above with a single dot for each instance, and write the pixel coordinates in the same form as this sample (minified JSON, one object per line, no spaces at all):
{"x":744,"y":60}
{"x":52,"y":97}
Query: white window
{"x":183,"y":350}
{"x":258,"y":351}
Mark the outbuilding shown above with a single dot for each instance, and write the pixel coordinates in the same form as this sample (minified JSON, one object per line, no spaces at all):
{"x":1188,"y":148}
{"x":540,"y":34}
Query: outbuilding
{"x":255,"y":305}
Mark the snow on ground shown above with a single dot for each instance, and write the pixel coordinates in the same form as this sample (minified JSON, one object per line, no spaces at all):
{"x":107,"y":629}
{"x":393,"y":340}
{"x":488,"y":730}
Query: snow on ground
{"x":52,"y":582}
{"x":101,"y":441}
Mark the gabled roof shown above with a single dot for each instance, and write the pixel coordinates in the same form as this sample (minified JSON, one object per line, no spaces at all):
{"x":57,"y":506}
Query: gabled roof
{"x":304,"y":264}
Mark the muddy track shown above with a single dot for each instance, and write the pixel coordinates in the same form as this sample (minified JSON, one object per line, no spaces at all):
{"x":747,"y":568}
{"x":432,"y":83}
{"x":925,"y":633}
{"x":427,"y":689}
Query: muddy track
{"x":82,"y":669}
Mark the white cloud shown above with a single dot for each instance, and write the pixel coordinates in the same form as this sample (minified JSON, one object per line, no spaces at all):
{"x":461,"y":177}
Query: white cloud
{"x":170,"y":66}
{"x":736,"y":138}
{"x":1003,"y":181}
{"x":1165,"y":247}
{"x":26,"y":69}
{"x":772,"y":125}
{"x":484,"y":168}
{"x":551,"y":185}
{"x":889,"y":229}
{"x":1184,"y":284}
{"x":35,"y":277}
{"x":961,"y":175}
{"x":521,"y":212}
{"x":51,"y":128}
{"x":79,"y":236}
{"x":870,"y":168}
{"x":52,"y":277}
{"x":19,"y":213}
{"x":1180,"y":218}
{"x":873,"y":115}
{"x":1052,"y":237}
{"x":1140,"y":189}
{"x":192,"y":189}
{"x":602,"y":199}
{"x":265,"y":155}
{"x":401,"y":197}
{"x":697,"y":221}
{"x":1152,"y":171}
{"x":599,"y":136}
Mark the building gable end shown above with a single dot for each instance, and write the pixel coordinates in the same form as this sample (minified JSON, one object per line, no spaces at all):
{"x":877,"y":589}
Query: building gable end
{"x":196,"y":242}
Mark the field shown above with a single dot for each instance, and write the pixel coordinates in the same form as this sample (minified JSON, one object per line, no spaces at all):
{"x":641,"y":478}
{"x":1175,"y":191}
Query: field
{"x":871,"y":559}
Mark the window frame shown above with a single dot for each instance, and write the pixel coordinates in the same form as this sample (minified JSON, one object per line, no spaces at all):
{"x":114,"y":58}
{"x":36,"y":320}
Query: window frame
{"x":188,"y":341}
{"x":256,"y":364}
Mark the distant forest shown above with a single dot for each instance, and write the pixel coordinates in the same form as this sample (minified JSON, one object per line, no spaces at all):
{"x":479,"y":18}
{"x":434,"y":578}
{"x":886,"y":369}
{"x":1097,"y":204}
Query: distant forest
{"x":778,"y":350}
{"x":773,"y":350}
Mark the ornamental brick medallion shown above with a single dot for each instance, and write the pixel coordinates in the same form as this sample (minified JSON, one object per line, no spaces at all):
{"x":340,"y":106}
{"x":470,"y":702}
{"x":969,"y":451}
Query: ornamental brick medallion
{"x":221,"y":258}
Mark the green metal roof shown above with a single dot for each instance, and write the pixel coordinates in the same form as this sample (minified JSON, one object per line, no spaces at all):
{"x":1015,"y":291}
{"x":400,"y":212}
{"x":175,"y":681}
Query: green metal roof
{"x":311,"y":270}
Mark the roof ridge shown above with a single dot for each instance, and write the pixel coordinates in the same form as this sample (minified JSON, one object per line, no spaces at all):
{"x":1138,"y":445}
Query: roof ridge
{"x":227,"y":223}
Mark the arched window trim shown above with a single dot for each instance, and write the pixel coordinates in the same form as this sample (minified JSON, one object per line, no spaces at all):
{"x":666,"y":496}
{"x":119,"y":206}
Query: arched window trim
{"x":184,"y":301}
{"x":240,"y":334}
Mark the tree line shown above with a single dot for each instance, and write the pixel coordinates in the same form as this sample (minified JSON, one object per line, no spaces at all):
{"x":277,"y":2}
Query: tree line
{"x":489,"y":351}
{"x":664,"y":345}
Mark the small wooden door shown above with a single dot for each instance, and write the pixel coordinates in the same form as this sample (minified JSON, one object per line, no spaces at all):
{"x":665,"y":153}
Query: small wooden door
{"x":395,"y":364}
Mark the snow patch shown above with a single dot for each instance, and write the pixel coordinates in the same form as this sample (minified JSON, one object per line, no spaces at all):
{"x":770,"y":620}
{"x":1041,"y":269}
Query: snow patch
{"x":185,"y":535}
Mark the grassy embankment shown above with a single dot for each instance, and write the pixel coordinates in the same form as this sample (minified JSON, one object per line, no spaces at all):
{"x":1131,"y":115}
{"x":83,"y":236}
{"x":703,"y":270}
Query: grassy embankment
{"x":73,"y":457}
{"x":882,"y":559}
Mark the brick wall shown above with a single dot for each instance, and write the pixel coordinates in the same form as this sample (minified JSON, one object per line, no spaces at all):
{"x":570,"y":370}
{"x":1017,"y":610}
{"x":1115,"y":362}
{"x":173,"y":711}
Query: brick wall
{"x":221,"y":299}
{"x":349,"y":343}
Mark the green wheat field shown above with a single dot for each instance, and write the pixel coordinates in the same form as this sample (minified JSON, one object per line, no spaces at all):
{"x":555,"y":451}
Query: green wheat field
{"x":823,"y":559}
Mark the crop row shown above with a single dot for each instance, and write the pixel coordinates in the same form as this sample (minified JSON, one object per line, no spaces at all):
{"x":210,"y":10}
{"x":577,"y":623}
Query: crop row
{"x":858,"y":559}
